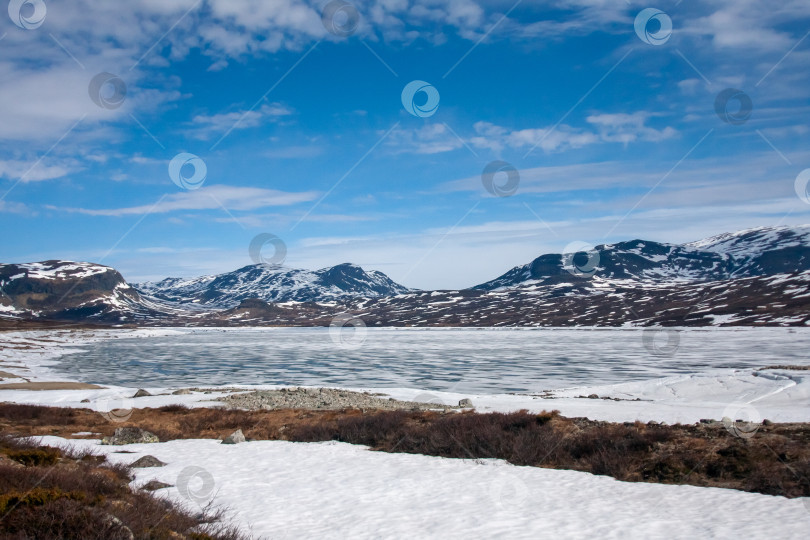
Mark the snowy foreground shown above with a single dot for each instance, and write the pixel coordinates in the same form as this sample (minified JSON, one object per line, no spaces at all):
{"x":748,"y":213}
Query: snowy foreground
{"x":279,"y":489}
{"x":335,"y":490}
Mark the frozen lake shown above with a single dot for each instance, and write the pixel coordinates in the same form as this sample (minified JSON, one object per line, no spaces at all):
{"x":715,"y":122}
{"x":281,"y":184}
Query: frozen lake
{"x":483,"y":361}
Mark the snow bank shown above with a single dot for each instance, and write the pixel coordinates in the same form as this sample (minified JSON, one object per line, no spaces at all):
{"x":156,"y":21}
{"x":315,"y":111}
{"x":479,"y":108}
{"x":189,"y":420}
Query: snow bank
{"x":334,"y":490}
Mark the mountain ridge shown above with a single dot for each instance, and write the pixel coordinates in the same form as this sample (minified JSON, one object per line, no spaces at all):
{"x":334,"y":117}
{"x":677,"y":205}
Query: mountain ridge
{"x":755,"y":252}
{"x":274,"y":284}
{"x":753,"y":277}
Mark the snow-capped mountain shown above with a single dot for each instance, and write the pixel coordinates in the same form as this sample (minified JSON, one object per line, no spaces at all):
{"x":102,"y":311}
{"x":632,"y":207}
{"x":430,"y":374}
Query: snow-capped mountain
{"x":764,"y":251}
{"x":275,"y":284}
{"x":754,"y":277}
{"x":63,"y":290}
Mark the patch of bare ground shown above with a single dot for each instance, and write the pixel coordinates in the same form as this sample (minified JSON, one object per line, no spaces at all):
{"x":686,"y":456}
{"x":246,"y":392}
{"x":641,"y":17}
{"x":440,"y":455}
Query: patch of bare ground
{"x":787,"y":368}
{"x":775,"y":460}
{"x":49,"y":493}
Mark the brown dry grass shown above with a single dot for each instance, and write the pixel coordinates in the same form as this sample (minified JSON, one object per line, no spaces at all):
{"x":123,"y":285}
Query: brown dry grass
{"x":50,"y":493}
{"x":775,"y":461}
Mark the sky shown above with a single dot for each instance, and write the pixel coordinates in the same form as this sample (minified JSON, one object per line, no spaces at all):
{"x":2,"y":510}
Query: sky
{"x":442,"y":142}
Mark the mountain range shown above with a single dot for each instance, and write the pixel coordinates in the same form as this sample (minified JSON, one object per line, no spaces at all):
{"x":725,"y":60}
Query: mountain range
{"x":754,"y":277}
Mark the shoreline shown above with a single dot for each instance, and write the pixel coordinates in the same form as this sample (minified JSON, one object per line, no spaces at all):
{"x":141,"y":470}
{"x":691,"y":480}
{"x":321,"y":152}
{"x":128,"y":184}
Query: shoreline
{"x":775,"y":394}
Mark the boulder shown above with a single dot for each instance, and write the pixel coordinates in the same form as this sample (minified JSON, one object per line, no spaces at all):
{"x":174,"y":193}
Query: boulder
{"x":141,"y":393}
{"x":154,"y":485}
{"x":124,"y":532}
{"x":181,"y":392}
{"x":235,"y":438}
{"x":130,"y":435}
{"x":147,"y":461}
{"x":466,"y":402}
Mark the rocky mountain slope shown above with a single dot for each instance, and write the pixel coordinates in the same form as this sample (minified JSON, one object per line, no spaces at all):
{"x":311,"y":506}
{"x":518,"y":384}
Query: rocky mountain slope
{"x":754,"y":277}
{"x":57,"y":290}
{"x":755,"y":252}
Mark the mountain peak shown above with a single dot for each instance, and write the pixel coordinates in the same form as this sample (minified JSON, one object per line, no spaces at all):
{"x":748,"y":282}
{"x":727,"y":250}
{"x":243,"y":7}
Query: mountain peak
{"x":275,"y":284}
{"x":760,"y":251}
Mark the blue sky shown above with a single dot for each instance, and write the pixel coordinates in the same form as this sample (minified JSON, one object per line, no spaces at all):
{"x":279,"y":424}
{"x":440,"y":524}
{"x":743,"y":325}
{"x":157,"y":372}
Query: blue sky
{"x":304,"y":134}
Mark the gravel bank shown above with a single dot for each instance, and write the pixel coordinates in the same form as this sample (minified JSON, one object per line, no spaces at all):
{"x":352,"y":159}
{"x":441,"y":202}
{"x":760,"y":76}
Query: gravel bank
{"x":324,"y":399}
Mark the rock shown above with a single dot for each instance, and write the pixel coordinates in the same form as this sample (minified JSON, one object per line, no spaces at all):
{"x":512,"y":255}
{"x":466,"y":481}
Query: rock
{"x":466,"y":402}
{"x":130,"y":435}
{"x":181,"y":392}
{"x":706,"y":421}
{"x":147,"y":461}
{"x":593,"y":396}
{"x":85,"y":400}
{"x":124,"y":532}
{"x":154,"y":485}
{"x":234,"y":438}
{"x":767,"y":422}
{"x":141,"y":393}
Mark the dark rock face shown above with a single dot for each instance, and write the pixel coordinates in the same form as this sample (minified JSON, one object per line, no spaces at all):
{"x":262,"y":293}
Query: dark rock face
{"x":63,"y":290}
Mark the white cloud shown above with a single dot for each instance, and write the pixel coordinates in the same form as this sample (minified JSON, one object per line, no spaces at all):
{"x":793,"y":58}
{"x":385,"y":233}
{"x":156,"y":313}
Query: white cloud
{"x":204,"y":126}
{"x":208,"y":198}
{"x":24,"y":172}
{"x":429,"y":139}
{"x":627,"y":128}
{"x":621,"y":127}
{"x":438,"y":138}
